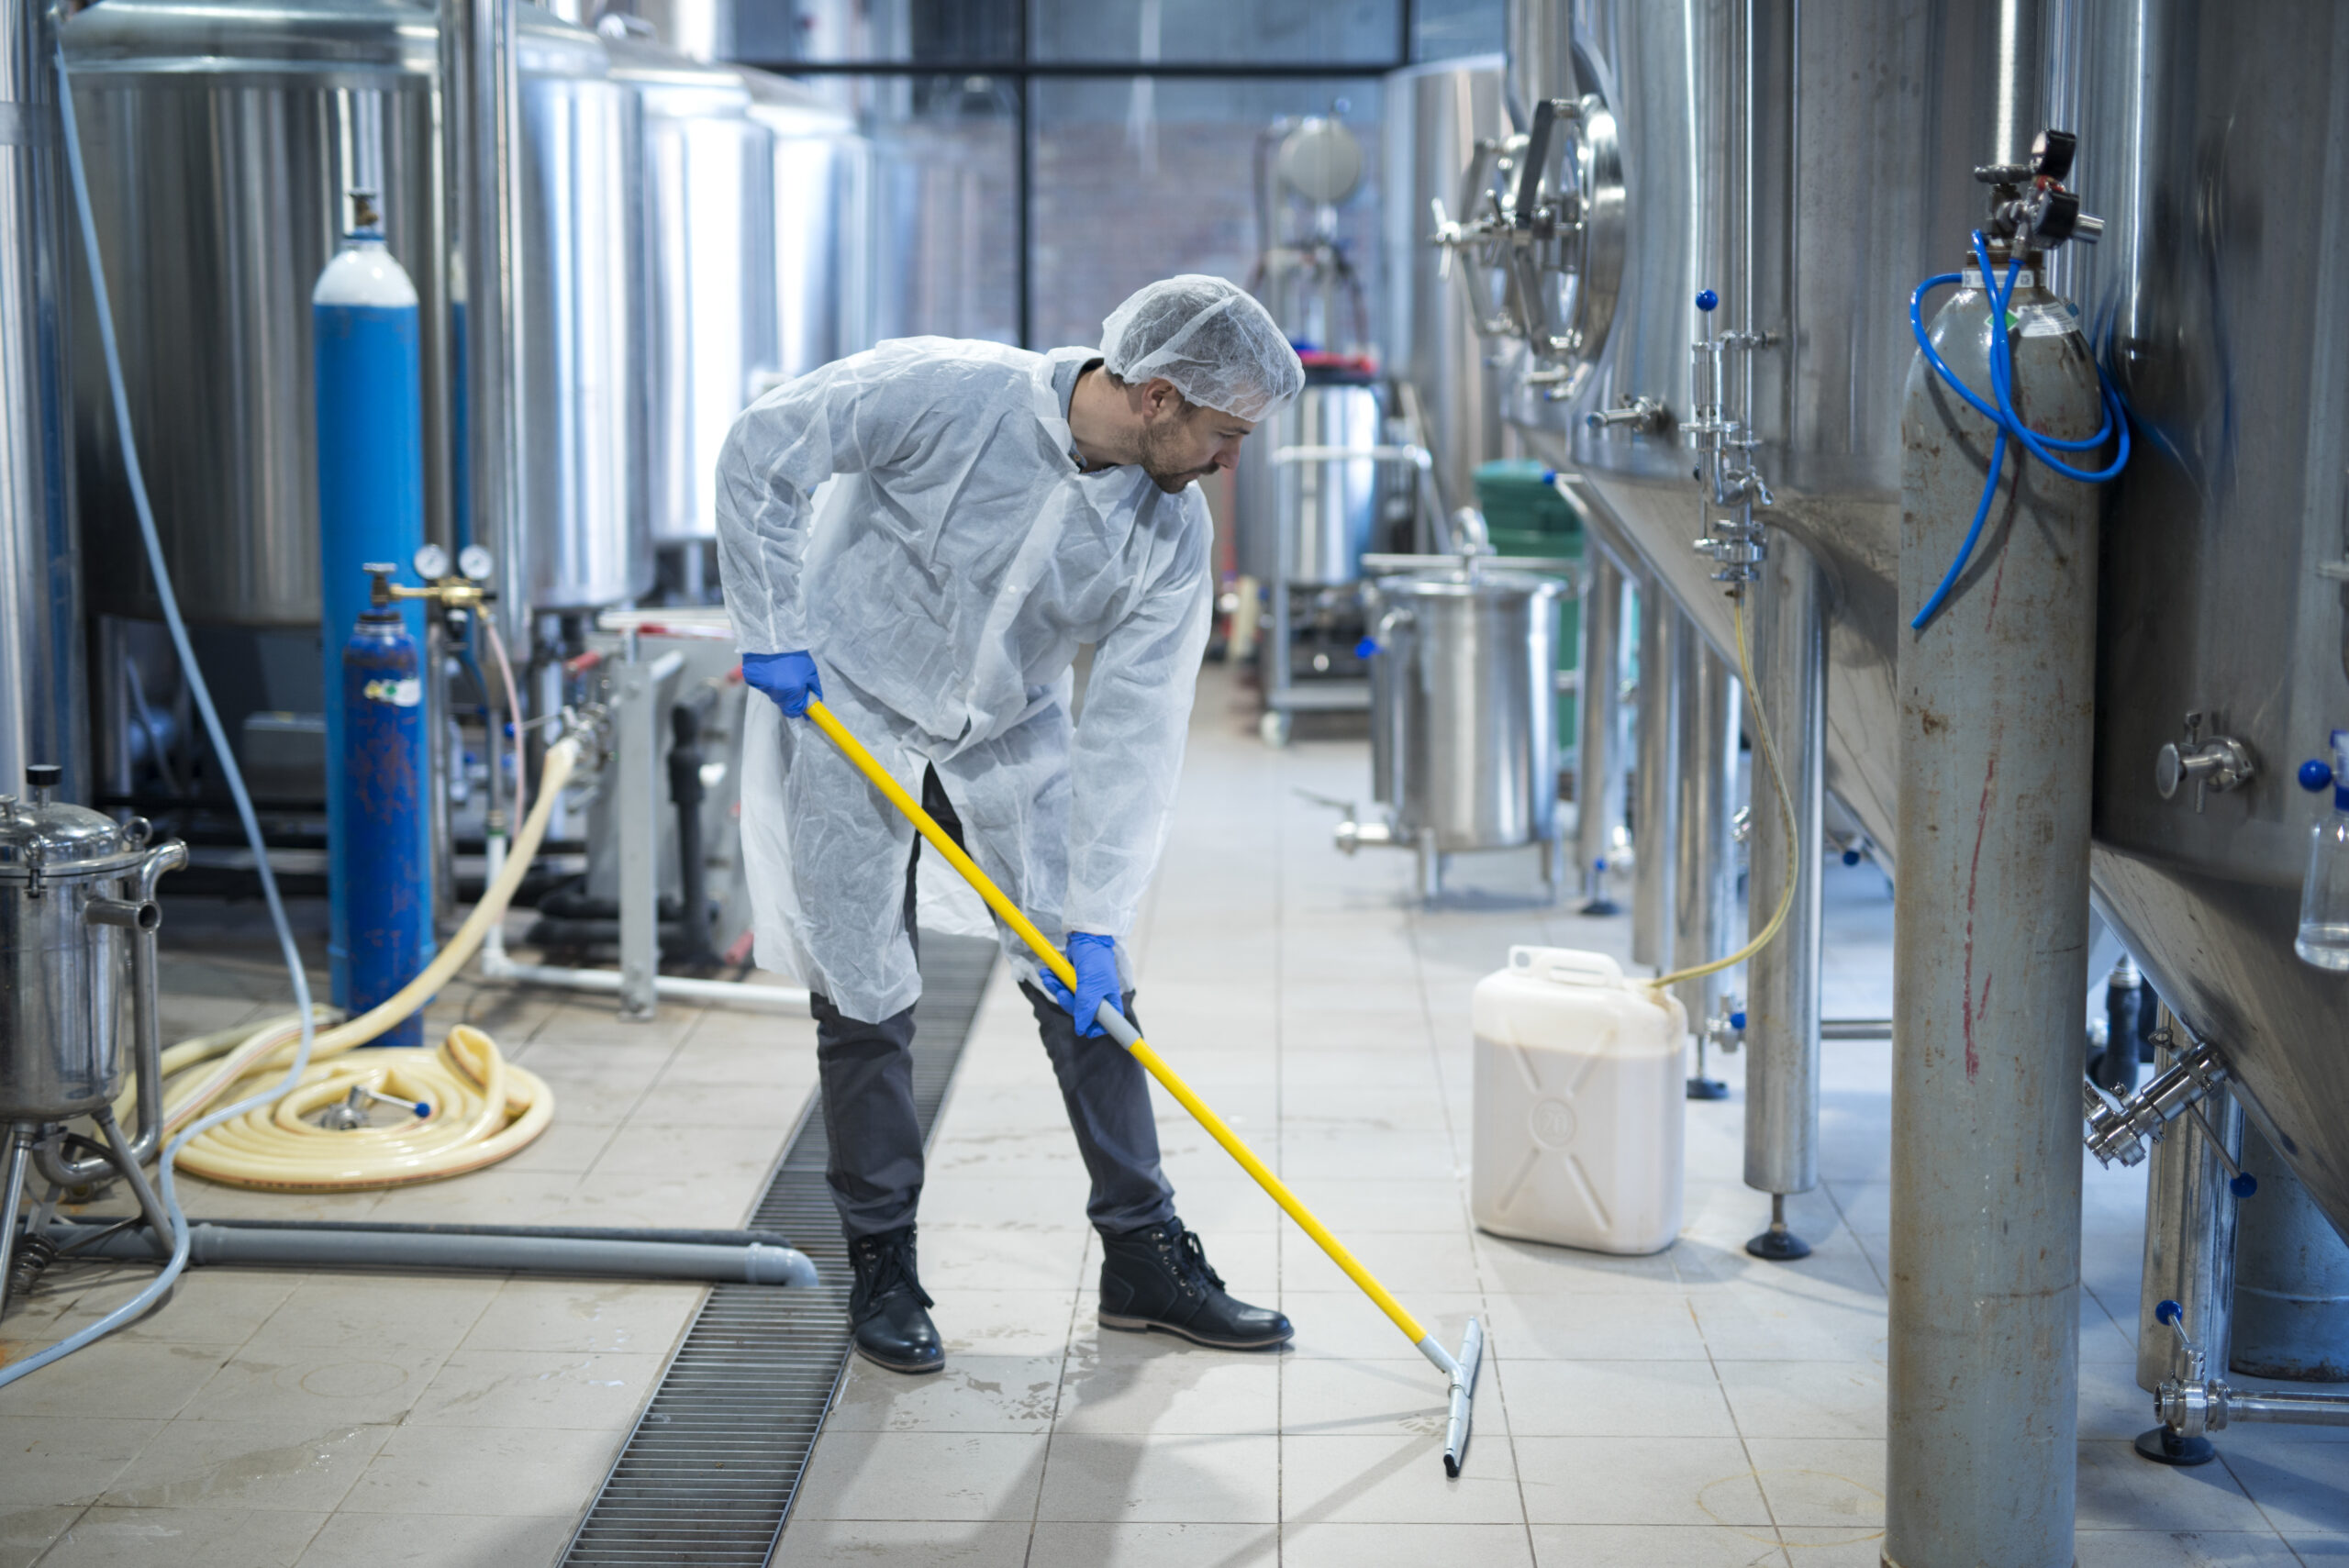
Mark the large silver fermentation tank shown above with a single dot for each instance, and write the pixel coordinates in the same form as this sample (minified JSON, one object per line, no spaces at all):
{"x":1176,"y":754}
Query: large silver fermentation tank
{"x":1868,"y":121}
{"x":221,"y":135}
{"x":580,"y":284}
{"x":219,"y":138}
{"x":823,"y":190}
{"x":708,"y":252}
{"x":1435,"y":115}
{"x":2208,"y":301}
{"x":2218,"y":303}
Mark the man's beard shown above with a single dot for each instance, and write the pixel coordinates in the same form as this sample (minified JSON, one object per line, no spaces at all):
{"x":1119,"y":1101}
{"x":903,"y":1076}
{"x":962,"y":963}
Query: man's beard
{"x":1158,"y":460}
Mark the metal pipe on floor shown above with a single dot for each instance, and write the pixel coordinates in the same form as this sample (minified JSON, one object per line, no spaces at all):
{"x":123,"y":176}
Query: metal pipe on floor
{"x":2235,"y":1406}
{"x":1651,"y":835}
{"x":1782,"y":1028}
{"x":1599,"y":766}
{"x":501,"y":1252}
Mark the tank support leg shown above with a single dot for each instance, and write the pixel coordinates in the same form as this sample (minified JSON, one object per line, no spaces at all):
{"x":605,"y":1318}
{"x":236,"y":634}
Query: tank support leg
{"x":1431,"y":866}
{"x":1789,"y":654}
{"x":12,"y":1196}
{"x":1598,"y":771}
{"x":1658,"y":766}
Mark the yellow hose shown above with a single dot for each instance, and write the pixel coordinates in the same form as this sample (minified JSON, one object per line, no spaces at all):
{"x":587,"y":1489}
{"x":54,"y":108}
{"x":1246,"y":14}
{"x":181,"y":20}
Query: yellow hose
{"x":482,"y":1109}
{"x":1139,"y":1048}
{"x":1785,"y":805}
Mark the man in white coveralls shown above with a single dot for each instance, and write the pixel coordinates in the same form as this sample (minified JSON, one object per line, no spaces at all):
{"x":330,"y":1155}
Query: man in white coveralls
{"x":990,"y":511}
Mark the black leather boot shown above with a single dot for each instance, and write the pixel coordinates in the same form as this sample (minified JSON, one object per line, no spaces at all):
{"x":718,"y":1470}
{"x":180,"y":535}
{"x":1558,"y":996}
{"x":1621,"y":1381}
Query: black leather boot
{"x":888,"y":1309}
{"x":1157,"y":1277}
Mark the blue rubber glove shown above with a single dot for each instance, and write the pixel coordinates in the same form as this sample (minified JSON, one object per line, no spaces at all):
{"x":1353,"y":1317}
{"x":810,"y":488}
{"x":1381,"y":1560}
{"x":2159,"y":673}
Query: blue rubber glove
{"x":789,"y":678}
{"x":1095,"y":959}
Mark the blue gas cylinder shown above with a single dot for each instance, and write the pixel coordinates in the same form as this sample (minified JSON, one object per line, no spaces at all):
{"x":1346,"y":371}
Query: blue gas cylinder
{"x":370,"y":409}
{"x":381,"y":870}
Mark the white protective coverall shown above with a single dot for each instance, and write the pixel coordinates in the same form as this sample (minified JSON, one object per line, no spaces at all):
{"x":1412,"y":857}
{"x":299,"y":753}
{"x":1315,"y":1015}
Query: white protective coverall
{"x":958,"y":560}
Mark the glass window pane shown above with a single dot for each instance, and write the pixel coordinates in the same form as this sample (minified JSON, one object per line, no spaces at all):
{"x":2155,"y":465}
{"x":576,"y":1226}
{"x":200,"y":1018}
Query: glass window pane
{"x":1137,"y":179}
{"x":1282,"y":32}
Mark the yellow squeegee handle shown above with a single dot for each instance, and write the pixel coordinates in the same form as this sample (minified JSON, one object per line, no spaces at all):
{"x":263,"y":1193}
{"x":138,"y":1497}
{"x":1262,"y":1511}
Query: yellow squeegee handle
{"x":1058,"y":962}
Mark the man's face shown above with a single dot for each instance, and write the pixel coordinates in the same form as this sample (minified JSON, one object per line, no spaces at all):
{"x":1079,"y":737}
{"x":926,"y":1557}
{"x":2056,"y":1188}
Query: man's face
{"x":1183,"y":441}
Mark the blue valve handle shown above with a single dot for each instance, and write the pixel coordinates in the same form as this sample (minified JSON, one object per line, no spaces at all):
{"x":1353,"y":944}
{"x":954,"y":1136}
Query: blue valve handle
{"x":1737,"y":1020}
{"x":2168,"y":1312}
{"x":1708,"y":300}
{"x":2243,"y":1186}
{"x":2315,"y":775}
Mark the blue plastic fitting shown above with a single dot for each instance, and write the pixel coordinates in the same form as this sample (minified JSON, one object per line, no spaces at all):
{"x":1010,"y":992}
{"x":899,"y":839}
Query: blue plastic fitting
{"x":2168,"y":1312}
{"x":2243,"y":1186}
{"x":2315,"y":775}
{"x":1737,"y":1020}
{"x":1549,"y":477}
{"x":1365,"y":648}
{"x":1852,"y":857}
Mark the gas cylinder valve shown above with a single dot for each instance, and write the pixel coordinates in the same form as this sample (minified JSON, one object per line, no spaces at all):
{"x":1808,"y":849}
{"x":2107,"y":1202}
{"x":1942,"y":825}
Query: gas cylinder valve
{"x":2028,"y":200}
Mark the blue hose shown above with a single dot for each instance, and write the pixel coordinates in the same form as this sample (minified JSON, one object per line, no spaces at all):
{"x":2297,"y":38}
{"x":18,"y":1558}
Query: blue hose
{"x":2003,"y":417}
{"x":129,"y":1311}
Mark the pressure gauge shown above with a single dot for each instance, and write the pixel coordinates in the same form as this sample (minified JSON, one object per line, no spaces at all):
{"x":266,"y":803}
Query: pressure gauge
{"x":474,"y":561}
{"x":431,"y":562}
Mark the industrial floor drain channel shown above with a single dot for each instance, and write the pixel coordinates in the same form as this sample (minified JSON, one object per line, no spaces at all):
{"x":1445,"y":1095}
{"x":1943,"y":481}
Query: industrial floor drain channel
{"x":709,"y":1474}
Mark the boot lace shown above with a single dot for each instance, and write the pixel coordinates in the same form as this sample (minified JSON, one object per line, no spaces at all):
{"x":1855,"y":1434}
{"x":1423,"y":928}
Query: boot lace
{"x":889,"y":1266}
{"x":1191,"y":1259}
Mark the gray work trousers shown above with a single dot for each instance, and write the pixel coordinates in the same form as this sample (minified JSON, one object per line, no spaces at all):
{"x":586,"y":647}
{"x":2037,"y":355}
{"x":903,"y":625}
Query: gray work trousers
{"x":875,"y":1162}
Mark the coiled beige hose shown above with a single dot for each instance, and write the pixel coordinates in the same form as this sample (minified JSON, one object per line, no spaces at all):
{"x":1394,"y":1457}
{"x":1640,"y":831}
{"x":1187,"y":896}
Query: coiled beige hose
{"x":482,"y":1109}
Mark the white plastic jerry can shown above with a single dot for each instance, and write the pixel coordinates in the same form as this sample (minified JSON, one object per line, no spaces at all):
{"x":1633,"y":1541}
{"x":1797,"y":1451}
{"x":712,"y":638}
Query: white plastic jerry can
{"x":1579,"y":1101}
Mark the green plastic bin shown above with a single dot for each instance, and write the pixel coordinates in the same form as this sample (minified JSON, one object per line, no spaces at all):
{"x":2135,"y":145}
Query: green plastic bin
{"x":1525,"y":515}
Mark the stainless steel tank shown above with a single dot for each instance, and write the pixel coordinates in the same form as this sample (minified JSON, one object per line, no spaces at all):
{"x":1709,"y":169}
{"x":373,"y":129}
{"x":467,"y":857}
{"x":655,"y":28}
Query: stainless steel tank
{"x":76,"y":904}
{"x":1463,"y":711}
{"x":709,"y":234}
{"x":2218,"y":303}
{"x":1326,"y":507}
{"x":1435,"y":115}
{"x":2208,"y":300}
{"x":822,"y":172}
{"x":580,"y":284}
{"x":1867,"y":120}
{"x":219,"y":138}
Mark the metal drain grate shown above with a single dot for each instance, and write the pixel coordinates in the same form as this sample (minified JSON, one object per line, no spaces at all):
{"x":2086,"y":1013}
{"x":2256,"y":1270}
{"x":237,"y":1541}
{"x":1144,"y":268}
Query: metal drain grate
{"x":708,"y":1476}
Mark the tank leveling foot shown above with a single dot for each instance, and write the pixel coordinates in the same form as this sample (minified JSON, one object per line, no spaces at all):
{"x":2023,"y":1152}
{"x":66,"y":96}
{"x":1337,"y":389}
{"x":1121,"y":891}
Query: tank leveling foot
{"x":1778,"y":1244}
{"x":1701,"y":1088}
{"x":2164,"y":1446}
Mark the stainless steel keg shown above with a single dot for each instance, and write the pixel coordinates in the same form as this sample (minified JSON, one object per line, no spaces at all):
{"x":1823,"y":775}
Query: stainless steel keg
{"x":77,"y":921}
{"x":1463,"y":713}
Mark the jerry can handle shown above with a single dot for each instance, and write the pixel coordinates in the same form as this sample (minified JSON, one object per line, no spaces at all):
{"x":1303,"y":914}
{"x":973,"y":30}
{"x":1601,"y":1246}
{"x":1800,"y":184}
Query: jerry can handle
{"x":1567,"y":966}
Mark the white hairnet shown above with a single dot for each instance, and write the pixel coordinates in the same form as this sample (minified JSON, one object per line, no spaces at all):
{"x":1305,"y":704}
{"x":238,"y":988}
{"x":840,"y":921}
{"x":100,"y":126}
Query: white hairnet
{"x":1211,"y":338}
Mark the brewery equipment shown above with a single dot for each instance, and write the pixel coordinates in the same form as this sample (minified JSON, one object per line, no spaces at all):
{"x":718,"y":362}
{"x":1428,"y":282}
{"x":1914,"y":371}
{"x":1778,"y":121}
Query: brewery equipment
{"x":77,"y":921}
{"x":1464,"y":716}
{"x":709,"y":321}
{"x":275,"y":111}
